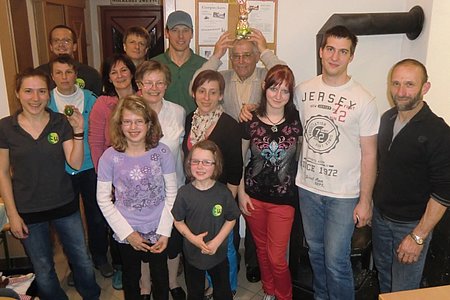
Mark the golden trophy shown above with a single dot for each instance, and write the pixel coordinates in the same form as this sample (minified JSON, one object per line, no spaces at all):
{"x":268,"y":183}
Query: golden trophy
{"x":242,"y":28}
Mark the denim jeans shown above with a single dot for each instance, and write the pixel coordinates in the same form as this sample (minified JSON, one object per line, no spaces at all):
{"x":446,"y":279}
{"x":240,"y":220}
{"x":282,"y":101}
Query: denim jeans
{"x":328,"y":226}
{"x":386,"y":237}
{"x":39,"y":248}
{"x":85,"y":183}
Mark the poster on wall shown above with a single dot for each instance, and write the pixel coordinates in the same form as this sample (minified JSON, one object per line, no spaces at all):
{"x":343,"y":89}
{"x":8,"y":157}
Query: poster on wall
{"x":207,"y":51}
{"x":212,"y":22}
{"x":262,"y":17}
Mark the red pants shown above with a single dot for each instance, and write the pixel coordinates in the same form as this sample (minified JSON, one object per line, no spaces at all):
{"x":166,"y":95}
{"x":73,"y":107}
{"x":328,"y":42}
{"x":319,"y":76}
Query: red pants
{"x":270,"y":225}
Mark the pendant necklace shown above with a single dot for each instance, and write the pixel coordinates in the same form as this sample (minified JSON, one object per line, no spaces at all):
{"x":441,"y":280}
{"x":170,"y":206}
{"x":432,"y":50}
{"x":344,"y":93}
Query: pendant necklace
{"x":274,"y":127}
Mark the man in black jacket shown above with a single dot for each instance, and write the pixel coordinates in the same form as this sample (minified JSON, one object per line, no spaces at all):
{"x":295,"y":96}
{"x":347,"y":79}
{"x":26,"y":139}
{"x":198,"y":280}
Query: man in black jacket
{"x":412,"y":191}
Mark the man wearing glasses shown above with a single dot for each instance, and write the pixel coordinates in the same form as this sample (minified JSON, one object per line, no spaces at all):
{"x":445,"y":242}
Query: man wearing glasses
{"x":243,"y":81}
{"x":63,"y":40}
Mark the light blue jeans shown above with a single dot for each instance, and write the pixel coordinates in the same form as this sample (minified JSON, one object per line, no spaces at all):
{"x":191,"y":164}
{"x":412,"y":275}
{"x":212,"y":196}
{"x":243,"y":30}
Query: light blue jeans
{"x":328,"y":226}
{"x":39,"y":248}
{"x":386,"y":237}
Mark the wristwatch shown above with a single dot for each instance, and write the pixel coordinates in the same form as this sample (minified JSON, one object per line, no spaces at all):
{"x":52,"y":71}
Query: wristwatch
{"x":416,"y":238}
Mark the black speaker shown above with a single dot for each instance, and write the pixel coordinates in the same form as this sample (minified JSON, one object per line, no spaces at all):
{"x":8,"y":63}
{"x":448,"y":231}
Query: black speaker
{"x":437,"y":265}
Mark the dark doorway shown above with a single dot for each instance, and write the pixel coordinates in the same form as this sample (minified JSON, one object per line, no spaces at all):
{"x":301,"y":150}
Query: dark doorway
{"x":116,"y":19}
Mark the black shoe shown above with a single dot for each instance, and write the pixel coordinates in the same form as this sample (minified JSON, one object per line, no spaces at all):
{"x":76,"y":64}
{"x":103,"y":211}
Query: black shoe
{"x":253,"y":274}
{"x":178,"y":293}
{"x":106,"y":270}
{"x":145,"y":297}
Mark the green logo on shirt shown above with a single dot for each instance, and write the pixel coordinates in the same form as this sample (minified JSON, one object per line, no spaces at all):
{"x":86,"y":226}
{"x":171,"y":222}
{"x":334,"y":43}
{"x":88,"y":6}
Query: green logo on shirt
{"x":217,"y":210}
{"x":53,"y":138}
{"x":80,"y":82}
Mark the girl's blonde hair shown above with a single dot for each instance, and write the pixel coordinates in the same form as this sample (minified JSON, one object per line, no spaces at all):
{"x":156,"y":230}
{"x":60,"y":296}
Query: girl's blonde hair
{"x":136,"y":105}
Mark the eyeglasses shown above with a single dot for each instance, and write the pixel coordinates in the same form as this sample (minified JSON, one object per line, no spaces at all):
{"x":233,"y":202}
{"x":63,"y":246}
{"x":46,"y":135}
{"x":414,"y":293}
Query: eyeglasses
{"x":150,"y":84}
{"x":205,"y":162}
{"x":61,"y":41}
{"x":137,"y":123}
{"x":245,"y":56}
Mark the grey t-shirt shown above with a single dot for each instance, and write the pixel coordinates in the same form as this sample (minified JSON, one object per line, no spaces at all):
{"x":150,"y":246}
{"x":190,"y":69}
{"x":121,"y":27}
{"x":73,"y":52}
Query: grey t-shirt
{"x":205,"y":211}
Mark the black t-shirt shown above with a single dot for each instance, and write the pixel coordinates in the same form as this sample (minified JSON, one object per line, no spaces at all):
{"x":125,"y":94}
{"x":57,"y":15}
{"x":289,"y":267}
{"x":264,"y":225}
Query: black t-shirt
{"x":39,"y":180}
{"x":205,"y":211}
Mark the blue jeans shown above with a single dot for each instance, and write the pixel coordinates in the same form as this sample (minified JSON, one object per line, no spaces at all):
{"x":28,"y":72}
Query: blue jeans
{"x":386,"y":237}
{"x":328,"y":226}
{"x":85,"y":183}
{"x":39,"y":248}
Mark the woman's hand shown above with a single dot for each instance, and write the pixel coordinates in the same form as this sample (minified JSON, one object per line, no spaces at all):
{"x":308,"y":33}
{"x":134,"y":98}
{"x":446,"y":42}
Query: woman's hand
{"x":245,"y":203}
{"x":160,"y":245}
{"x":138,"y":242}
{"x":76,"y":121}
{"x":18,"y":227}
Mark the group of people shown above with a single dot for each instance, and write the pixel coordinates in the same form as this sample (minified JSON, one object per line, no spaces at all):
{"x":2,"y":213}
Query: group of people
{"x":162,"y":162}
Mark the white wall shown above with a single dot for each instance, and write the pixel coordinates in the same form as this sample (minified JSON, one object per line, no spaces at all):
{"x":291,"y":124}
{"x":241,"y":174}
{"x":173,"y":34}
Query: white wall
{"x":438,"y":59}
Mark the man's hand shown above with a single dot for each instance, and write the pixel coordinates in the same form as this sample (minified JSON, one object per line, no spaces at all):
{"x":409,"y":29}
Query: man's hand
{"x":362,"y":214}
{"x":408,"y":251}
{"x":223,"y":44}
{"x":257,"y":37}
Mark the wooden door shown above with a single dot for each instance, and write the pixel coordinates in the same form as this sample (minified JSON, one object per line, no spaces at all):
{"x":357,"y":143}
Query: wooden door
{"x":49,"y":13}
{"x":116,"y":19}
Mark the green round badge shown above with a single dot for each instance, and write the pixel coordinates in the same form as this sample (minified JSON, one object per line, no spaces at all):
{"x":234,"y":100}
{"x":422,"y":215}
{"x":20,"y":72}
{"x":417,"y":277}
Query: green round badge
{"x":217,"y":210}
{"x":80,"y":82}
{"x":53,"y":138}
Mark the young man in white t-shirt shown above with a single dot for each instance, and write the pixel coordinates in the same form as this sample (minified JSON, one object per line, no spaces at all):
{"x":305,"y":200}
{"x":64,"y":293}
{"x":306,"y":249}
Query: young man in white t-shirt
{"x":337,"y":167}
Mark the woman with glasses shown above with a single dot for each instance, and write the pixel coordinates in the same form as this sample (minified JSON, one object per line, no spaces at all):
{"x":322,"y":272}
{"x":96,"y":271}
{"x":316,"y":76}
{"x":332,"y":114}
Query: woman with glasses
{"x":118,"y":82}
{"x":210,"y":122}
{"x":267,"y":193}
{"x":153,"y":78}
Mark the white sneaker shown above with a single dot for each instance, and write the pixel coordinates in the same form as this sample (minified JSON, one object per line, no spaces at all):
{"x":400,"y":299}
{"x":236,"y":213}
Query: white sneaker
{"x":268,"y":297}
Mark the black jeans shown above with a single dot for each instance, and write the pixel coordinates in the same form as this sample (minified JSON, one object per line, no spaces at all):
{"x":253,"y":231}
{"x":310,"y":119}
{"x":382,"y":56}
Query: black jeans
{"x":131,"y":268}
{"x":195,"y":281}
{"x":85,"y":183}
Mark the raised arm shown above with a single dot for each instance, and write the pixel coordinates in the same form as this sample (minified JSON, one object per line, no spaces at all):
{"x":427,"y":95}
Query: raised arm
{"x":268,"y":58}
{"x":74,"y":148}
